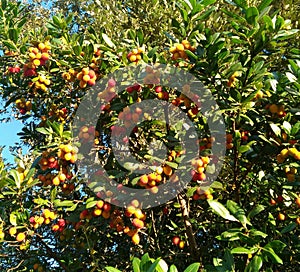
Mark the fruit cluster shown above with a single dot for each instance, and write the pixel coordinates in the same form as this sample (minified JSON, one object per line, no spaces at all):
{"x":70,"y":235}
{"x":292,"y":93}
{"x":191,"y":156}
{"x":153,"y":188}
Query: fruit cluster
{"x":87,"y":134}
{"x":129,"y":117}
{"x":23,"y":105}
{"x":59,"y":226}
{"x":58,"y":114}
{"x":286,"y":152}
{"x":42,"y":83}
{"x":178,"y":242}
{"x":178,"y":50}
{"x":86,"y":77}
{"x":277,"y":110}
{"x":46,"y":217}
{"x":135,"y":54}
{"x":199,"y":165}
{"x":233,"y":80}
{"x":48,"y":161}
{"x":14,"y":70}
{"x":135,"y":87}
{"x":68,"y":153}
{"x":151,"y":180}
{"x":96,"y":60}
{"x":206,"y":143}
{"x":201,"y":194}
{"x":137,"y":220}
{"x":40,"y":54}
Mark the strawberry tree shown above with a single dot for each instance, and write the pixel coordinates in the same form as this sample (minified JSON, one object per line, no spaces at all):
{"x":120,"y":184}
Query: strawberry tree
{"x":76,"y":91}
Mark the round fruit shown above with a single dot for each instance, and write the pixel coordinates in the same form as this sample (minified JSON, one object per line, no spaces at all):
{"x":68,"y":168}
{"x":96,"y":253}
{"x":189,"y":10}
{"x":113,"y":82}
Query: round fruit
{"x":135,"y":239}
{"x":281,"y":217}
{"x":21,"y":237}
{"x":175,"y":240}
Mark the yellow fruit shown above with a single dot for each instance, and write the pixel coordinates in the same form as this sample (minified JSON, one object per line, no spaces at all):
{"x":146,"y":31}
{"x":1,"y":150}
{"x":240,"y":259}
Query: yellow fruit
{"x":85,"y":71}
{"x":135,"y":239}
{"x":132,"y":58}
{"x":68,"y":156}
{"x":56,"y":181}
{"x":180,"y":47}
{"x":281,"y":216}
{"x":67,"y":148}
{"x":12,"y":231}
{"x":21,"y":237}
{"x":284,"y":153}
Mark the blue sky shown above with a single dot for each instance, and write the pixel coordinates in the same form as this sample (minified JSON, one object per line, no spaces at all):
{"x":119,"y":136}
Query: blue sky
{"x":8,"y":137}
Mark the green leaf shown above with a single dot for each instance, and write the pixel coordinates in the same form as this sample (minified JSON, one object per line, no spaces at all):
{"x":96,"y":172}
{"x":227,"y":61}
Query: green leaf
{"x":238,"y":212}
{"x":288,"y":228}
{"x":13,"y":34}
{"x":10,"y":45}
{"x":256,"y":210}
{"x":255,"y":264}
{"x":230,"y":235}
{"x":264,"y":4}
{"x":241,"y":250}
{"x":244,"y":148}
{"x":192,"y":268}
{"x":254,"y":232}
{"x":91,"y":204}
{"x":112,"y":269}
{"x":65,"y":203}
{"x":136,"y":264}
{"x":77,"y":49}
{"x":13,"y":219}
{"x":220,"y":210}
{"x":269,"y":252}
{"x":108,"y":41}
{"x":172,"y":164}
{"x":276,"y":245}
{"x":173,"y":268}
{"x":53,"y":194}
{"x":252,"y":15}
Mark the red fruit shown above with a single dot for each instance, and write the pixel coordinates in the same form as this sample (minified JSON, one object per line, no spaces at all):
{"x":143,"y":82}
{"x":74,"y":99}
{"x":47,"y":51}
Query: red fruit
{"x":23,"y":111}
{"x":84,"y":214}
{"x":272,"y":202}
{"x":175,"y":240}
{"x":137,"y":87}
{"x":130,"y":89}
{"x":158,"y":89}
{"x":61,"y":222}
{"x":106,"y":207}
